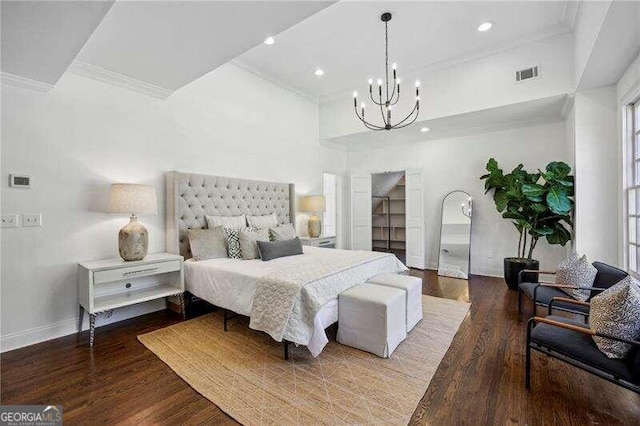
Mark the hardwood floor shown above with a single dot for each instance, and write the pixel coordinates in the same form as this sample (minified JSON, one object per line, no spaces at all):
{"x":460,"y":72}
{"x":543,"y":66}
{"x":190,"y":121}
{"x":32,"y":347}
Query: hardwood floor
{"x":480,"y":380}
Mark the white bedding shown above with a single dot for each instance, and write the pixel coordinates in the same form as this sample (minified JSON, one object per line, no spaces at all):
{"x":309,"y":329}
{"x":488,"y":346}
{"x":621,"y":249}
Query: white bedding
{"x":231,"y":284}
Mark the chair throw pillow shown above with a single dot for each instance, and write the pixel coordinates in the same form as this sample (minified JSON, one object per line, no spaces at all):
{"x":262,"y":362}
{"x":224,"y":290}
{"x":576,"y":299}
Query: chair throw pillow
{"x":578,"y":272}
{"x":616,"y":312}
{"x":208,"y":243}
{"x":248,"y":241}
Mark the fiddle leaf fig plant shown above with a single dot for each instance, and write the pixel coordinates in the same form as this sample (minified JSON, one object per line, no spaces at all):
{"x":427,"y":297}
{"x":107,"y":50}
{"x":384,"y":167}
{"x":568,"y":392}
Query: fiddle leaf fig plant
{"x":539,"y":205}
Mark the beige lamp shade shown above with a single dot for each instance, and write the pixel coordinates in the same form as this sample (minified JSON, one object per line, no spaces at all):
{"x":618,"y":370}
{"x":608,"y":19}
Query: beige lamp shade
{"x":127,"y":198}
{"x":312,"y":204}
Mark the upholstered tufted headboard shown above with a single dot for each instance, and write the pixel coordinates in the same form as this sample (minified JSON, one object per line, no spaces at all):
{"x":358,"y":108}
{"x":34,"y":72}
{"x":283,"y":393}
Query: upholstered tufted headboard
{"x":191,"y":196}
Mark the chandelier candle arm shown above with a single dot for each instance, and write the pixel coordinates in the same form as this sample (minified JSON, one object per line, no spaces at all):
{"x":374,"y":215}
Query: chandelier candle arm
{"x":391,"y":94}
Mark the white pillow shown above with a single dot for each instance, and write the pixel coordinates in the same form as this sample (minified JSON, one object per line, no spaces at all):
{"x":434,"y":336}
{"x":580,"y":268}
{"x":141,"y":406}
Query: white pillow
{"x":266,"y":221}
{"x":230,"y":222}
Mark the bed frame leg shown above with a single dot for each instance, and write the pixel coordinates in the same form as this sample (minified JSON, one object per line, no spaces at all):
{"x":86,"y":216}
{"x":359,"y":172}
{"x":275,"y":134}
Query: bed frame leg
{"x":226,"y":318}
{"x":286,"y":349}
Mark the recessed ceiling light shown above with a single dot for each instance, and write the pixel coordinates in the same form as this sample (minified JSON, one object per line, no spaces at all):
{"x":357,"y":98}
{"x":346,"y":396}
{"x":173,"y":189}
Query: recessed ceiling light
{"x":424,"y":129}
{"x":485,"y":26}
{"x":319,"y":72}
{"x":269,"y":40}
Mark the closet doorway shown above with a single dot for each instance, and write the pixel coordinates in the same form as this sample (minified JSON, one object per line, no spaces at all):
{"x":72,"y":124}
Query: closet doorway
{"x":388,"y":217}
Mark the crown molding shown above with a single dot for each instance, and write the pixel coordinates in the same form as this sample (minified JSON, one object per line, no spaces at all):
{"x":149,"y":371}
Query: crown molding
{"x":273,"y":80}
{"x":119,"y":80}
{"x":25,"y":83}
{"x":567,"y":106}
{"x":570,"y":13}
{"x":551,"y":32}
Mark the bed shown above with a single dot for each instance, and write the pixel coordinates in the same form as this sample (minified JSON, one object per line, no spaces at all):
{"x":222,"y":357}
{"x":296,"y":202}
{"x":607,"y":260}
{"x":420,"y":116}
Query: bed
{"x":293,"y":299}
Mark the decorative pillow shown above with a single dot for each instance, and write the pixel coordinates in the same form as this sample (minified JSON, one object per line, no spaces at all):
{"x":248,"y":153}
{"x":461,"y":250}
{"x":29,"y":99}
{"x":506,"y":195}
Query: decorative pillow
{"x":248,"y":241}
{"x":266,"y":221}
{"x":576,"y":272}
{"x":616,"y":311}
{"x":208,"y":243}
{"x":233,"y":242}
{"x":273,"y":250}
{"x":283,"y":232}
{"x":232,"y":222}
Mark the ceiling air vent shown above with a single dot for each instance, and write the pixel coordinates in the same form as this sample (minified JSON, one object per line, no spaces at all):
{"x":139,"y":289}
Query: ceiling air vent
{"x":527,"y":74}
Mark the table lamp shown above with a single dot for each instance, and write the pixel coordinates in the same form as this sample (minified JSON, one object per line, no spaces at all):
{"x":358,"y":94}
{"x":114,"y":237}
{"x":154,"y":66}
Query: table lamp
{"x":126,"y":198}
{"x":313,"y":204}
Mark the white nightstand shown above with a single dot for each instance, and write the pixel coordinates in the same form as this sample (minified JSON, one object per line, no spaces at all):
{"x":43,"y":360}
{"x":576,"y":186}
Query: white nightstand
{"x":108,"y":284}
{"x":325,"y":242}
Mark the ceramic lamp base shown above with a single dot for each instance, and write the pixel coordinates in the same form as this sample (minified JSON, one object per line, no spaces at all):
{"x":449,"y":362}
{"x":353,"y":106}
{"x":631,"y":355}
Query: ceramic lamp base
{"x":314,"y":226}
{"x":133,"y":240}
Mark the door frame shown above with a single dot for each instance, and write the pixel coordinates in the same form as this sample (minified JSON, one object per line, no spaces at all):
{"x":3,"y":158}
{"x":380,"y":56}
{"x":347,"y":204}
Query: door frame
{"x":339,"y":188}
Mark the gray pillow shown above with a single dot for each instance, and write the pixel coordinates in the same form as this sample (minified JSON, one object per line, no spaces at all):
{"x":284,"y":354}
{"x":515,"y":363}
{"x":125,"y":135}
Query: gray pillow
{"x":576,"y":271}
{"x":248,"y":241}
{"x":616,"y":311}
{"x":208,"y":243}
{"x":283,"y":232}
{"x":273,"y":250}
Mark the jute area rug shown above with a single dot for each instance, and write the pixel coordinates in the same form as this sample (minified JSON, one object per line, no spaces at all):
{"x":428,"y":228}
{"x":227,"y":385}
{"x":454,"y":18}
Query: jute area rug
{"x":243,"y":371}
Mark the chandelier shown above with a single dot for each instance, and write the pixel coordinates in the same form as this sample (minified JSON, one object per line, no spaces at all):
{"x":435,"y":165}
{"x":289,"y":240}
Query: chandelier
{"x":390,"y":98}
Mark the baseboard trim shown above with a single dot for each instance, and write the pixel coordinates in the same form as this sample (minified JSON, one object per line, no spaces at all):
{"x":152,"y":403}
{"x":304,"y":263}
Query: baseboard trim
{"x":29,"y":337}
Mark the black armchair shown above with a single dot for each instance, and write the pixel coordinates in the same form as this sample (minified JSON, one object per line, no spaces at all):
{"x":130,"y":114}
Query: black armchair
{"x":571,"y":342}
{"x":542,"y":292}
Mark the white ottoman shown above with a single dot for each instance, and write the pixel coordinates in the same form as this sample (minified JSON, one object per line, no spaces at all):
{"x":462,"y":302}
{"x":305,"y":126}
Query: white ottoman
{"x":372,"y":318}
{"x":412,"y":287}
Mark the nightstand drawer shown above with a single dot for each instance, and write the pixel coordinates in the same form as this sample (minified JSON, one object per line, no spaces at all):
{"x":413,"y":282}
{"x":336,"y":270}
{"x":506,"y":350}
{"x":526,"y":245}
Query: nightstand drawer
{"x":329,"y":242}
{"x":135,"y":271}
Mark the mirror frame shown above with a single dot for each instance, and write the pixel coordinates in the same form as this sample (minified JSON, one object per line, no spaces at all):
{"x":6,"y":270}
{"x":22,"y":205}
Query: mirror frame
{"x":440,"y":234}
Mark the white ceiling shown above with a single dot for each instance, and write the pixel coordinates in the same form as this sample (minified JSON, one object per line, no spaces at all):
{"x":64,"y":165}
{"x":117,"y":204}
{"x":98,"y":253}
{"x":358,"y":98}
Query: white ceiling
{"x":346,"y":40}
{"x":171,"y":43}
{"x":40,"y":39}
{"x":539,"y":111}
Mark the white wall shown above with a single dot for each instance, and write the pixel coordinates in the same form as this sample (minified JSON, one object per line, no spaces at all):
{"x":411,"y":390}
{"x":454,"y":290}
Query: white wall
{"x":598,"y":173}
{"x":457,"y":163}
{"x":84,"y":135}
{"x":472,"y":86}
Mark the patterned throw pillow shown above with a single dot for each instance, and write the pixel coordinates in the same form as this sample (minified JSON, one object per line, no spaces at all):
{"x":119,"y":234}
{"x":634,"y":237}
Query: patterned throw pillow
{"x":283,"y":232}
{"x":248,"y":242}
{"x":577,"y":272}
{"x":233,"y":242}
{"x":616,"y":311}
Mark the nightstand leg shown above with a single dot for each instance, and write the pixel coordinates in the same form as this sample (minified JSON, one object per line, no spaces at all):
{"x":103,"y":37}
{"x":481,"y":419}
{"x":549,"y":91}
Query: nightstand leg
{"x":183,"y":306}
{"x":81,"y":319}
{"x":92,"y":326}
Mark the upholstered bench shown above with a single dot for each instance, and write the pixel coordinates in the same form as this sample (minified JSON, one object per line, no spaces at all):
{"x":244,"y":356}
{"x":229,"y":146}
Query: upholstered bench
{"x":412,"y":286}
{"x":372,"y":318}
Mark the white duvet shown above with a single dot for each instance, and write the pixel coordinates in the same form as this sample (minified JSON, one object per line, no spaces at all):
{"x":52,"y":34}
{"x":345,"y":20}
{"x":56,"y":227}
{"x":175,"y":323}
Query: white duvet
{"x":232,"y":284}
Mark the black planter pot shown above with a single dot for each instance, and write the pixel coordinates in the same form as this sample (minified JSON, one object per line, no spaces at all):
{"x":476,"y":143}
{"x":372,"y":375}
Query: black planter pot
{"x":513,"y":266}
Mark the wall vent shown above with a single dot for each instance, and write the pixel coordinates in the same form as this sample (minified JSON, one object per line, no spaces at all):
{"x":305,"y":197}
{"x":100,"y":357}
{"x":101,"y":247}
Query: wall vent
{"x":527,"y":74}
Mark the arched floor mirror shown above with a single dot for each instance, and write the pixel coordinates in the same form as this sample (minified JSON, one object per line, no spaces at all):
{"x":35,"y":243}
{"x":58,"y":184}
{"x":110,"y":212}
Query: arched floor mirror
{"x":455,"y":235}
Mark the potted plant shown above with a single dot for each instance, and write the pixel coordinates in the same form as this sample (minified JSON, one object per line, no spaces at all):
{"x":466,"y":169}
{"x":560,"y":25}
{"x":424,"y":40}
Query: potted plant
{"x":538,"y":205}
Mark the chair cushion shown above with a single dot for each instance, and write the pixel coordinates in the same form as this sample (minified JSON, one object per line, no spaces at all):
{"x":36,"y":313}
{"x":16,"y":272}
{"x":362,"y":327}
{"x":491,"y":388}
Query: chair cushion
{"x":579,"y":346}
{"x":616,"y":311}
{"x":607,"y":276}
{"x":545,"y":294}
{"x":576,"y":271}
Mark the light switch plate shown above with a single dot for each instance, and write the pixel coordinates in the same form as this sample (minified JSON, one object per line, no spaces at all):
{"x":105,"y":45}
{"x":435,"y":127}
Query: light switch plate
{"x":9,"y":220}
{"x":31,"y":219}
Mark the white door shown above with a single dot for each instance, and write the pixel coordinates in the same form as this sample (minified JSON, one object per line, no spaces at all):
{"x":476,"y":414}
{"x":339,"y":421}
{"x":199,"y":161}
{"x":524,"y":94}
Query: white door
{"x":415,"y":219}
{"x":330,"y":208}
{"x":360,"y":212}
